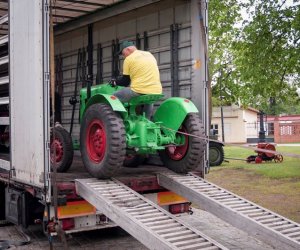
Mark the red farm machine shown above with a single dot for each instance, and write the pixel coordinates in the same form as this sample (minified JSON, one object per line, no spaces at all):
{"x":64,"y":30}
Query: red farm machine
{"x":265,"y":152}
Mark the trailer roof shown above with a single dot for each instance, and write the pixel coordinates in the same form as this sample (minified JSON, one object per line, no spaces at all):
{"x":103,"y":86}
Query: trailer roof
{"x":63,"y":10}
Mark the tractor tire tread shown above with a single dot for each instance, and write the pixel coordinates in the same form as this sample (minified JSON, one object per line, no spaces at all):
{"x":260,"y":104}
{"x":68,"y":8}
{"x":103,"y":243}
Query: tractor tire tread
{"x":116,"y":147}
{"x":68,"y":152}
{"x":196,"y":148}
{"x":219,"y":153}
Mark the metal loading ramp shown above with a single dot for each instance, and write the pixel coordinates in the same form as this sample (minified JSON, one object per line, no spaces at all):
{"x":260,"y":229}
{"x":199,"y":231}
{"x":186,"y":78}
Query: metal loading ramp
{"x":144,"y":220}
{"x":264,"y":224}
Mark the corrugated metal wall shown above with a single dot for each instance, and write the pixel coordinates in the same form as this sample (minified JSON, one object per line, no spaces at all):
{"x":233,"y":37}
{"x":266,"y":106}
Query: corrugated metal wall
{"x":154,"y":24}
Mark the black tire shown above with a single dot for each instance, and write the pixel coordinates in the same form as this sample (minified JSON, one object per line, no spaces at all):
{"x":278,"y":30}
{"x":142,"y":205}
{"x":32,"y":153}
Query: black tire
{"x":133,"y":161}
{"x":194,"y":147}
{"x":102,"y":141}
{"x":62,"y":143}
{"x":216,"y":154}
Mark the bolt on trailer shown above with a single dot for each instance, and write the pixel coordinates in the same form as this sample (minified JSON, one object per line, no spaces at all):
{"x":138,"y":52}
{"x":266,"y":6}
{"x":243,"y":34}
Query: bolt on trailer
{"x":86,"y":37}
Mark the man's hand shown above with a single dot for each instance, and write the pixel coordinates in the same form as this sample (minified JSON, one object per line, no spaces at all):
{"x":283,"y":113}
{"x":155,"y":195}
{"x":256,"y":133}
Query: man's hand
{"x":113,"y":82}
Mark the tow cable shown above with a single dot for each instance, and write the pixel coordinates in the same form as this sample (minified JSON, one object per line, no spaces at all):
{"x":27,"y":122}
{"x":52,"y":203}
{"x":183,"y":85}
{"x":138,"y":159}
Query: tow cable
{"x":234,"y":145}
{"x":236,"y":159}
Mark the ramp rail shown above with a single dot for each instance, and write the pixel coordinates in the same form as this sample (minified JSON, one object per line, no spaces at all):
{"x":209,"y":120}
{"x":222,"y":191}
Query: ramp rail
{"x":264,"y":224}
{"x":144,"y":220}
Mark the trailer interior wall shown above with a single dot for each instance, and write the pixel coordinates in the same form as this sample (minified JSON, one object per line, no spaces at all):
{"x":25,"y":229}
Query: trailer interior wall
{"x":156,"y":23}
{"x":28,"y":91}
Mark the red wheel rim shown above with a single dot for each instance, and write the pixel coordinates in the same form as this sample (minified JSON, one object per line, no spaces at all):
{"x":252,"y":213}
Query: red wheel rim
{"x":96,"y":141}
{"x":278,"y":158}
{"x":177,"y":153}
{"x":57,"y":151}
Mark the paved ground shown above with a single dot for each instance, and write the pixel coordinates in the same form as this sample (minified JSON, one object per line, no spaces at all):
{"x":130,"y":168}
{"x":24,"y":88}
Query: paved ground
{"x":223,"y":232}
{"x":117,"y":239}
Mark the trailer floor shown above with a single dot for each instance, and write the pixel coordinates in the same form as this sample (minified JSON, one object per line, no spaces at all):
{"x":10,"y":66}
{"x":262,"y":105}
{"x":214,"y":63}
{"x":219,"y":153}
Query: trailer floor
{"x":77,"y":170}
{"x":117,"y":239}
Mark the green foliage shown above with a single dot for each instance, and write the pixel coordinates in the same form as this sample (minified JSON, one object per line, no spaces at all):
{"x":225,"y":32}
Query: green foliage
{"x":288,"y":104}
{"x":216,"y":102}
{"x":222,"y":17}
{"x":289,"y":168}
{"x":258,"y":59}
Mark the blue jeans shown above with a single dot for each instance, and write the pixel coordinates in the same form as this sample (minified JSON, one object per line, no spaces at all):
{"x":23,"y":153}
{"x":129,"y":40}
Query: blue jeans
{"x":125,"y":94}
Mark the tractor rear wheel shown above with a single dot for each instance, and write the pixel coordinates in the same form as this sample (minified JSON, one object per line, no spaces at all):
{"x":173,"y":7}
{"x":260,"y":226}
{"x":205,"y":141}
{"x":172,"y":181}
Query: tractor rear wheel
{"x":102,"y":141}
{"x":188,"y":156}
{"x":61,"y":149}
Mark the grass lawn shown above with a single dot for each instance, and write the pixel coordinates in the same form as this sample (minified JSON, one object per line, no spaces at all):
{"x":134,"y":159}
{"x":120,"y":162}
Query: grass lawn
{"x":275,"y":186}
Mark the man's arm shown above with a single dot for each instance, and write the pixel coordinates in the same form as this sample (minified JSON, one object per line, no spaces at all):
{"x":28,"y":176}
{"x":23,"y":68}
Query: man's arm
{"x":123,"y":80}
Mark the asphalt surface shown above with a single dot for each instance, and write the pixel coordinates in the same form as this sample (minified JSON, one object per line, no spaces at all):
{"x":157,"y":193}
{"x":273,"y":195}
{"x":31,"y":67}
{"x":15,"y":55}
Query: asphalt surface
{"x":117,"y":239}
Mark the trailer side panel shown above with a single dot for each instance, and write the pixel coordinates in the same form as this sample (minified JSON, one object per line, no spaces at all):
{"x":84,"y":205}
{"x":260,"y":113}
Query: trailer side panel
{"x":27,"y":91}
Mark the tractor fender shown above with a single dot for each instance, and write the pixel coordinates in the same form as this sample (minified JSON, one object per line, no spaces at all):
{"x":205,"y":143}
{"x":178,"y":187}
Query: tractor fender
{"x":111,"y":100}
{"x":173,"y":111}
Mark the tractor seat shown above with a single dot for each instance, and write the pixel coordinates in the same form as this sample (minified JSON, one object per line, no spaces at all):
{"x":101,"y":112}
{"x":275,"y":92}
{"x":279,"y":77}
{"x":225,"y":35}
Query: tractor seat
{"x":145,"y":99}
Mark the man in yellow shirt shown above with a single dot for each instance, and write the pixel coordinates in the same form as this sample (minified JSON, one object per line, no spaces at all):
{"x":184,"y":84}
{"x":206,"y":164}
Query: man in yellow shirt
{"x":140,"y":75}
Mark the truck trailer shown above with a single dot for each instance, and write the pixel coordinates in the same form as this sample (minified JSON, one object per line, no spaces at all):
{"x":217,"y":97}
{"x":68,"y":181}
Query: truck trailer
{"x":75,"y":44}
{"x":57,"y":54}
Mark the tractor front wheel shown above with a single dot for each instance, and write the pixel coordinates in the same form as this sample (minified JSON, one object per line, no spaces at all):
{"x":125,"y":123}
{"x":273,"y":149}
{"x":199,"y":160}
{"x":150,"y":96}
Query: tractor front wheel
{"x":102,"y":141}
{"x":186,"y":157}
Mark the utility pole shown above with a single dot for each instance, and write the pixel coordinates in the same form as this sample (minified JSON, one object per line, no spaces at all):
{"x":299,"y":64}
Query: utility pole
{"x":221,"y":106}
{"x":222,"y":120}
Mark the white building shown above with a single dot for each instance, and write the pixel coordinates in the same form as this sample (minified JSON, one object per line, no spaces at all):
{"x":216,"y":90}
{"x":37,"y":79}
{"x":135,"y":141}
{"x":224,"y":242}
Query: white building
{"x":240,"y":124}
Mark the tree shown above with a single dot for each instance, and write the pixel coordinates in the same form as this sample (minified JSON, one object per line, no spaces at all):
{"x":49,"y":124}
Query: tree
{"x":260,"y":60}
{"x":223,"y":15}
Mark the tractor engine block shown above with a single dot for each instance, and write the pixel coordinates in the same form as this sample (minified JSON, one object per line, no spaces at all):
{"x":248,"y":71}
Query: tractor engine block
{"x":145,"y":135}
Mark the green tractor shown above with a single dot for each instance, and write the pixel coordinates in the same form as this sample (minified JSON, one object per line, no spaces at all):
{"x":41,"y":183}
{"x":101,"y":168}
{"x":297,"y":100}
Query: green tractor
{"x":113,"y":134}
